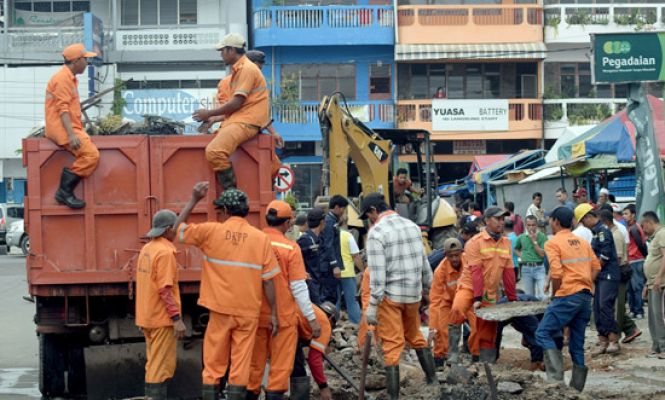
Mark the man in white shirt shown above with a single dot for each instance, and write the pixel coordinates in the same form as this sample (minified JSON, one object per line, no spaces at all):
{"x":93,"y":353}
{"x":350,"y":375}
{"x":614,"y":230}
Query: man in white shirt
{"x":535,"y":208}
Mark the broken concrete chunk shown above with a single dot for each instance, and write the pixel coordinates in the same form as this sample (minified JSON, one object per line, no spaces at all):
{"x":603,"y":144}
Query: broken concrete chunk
{"x":509,"y":387}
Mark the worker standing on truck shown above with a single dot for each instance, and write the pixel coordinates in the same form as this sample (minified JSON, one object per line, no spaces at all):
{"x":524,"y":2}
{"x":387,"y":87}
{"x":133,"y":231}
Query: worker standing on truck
{"x":291,"y":292}
{"x":237,"y":259}
{"x":489,"y":263}
{"x":158,"y":310}
{"x":246,"y":112}
{"x":64,"y":126}
{"x":399,"y":277}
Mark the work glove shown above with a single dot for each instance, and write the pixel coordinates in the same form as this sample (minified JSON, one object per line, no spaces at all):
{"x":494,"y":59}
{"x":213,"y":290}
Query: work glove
{"x":370,"y":315}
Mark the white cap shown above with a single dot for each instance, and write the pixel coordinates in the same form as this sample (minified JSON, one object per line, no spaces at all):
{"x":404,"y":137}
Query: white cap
{"x":231,"y":40}
{"x":616,"y":208}
{"x":604,"y":191}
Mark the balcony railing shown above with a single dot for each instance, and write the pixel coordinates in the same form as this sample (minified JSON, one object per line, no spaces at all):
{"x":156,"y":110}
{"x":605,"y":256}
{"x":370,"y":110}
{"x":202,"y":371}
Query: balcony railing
{"x":40,"y":40}
{"x":572,"y":23}
{"x":307,"y":112}
{"x":202,"y":37}
{"x":469,"y":24}
{"x":325,"y":24}
{"x":581,"y":111}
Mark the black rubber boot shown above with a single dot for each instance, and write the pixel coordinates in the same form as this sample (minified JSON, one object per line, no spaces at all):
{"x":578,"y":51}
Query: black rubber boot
{"x":554,"y":365}
{"x":65,"y":193}
{"x":234,"y":392}
{"x":226,"y":178}
{"x":274,"y":395}
{"x":251,"y":395}
{"x":299,"y":388}
{"x":579,"y":377}
{"x":439,"y":362}
{"x":392,"y":381}
{"x":488,"y":355}
{"x":426,"y":360}
{"x":155,"y":391}
{"x":210,"y":392}
{"x":454,"y":334}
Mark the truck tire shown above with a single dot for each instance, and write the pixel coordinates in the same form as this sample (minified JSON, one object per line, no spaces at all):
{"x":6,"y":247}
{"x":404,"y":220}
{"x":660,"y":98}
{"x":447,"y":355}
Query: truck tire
{"x":25,"y":245}
{"x":52,"y":365}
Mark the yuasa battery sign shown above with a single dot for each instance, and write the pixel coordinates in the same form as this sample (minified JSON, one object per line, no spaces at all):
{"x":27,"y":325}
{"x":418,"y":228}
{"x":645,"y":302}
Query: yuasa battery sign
{"x":469,"y":115}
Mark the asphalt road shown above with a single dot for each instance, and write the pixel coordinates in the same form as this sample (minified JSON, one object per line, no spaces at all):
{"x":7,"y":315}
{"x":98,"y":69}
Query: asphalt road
{"x":18,"y":342}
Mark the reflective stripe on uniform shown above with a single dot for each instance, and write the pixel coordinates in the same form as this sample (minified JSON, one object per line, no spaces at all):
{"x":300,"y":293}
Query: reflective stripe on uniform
{"x":233,"y":263}
{"x":271,"y":273}
{"x":495,"y":250}
{"x":182,"y":233}
{"x":574,"y":260}
{"x":318,"y":345}
{"x":282,"y":245}
{"x":452,"y":283}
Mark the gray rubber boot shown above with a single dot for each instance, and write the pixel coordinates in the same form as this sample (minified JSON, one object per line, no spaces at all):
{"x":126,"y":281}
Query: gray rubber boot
{"x":234,"y":392}
{"x":426,"y":359}
{"x":488,"y":356}
{"x":554,"y":365}
{"x":392,"y":381}
{"x":210,"y":392}
{"x":155,"y":391}
{"x":579,"y":377}
{"x":299,"y":388}
{"x":454,"y":334}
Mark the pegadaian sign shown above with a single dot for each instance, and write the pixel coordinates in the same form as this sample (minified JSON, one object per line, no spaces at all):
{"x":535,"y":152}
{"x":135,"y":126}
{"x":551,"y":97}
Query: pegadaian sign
{"x":628,"y":57}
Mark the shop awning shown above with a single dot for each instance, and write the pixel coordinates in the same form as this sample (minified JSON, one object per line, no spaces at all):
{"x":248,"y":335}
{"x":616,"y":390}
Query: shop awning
{"x":419,"y":52}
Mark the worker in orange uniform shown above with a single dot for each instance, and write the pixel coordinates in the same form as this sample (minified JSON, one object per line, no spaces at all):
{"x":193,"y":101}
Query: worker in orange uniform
{"x":158,"y":310}
{"x":365,"y":294}
{"x":245,"y":114}
{"x":64,"y":125}
{"x":291,"y":292}
{"x":444,"y":286}
{"x":489,"y":262}
{"x":316,"y":347}
{"x":224,"y":95}
{"x":237,"y":259}
{"x":399,"y":277}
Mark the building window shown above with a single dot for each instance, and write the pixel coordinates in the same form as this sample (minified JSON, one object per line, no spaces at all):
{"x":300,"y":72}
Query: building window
{"x":380,"y":84}
{"x":172,"y":84}
{"x":573,"y":80}
{"x":310,"y":82}
{"x":52,"y":6}
{"x":158,"y":12}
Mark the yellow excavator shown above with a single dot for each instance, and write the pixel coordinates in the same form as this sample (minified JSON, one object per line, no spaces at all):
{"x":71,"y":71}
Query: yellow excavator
{"x":373,"y":152}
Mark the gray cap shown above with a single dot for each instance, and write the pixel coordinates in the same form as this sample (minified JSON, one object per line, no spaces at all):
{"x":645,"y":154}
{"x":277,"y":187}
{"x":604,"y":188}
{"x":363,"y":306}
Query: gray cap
{"x":231,"y":40}
{"x":161,"y":221}
{"x":452,"y":244}
{"x":495,"y":212}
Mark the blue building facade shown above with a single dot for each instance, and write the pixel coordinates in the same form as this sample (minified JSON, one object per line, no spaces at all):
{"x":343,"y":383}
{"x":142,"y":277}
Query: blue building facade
{"x":313,"y":51}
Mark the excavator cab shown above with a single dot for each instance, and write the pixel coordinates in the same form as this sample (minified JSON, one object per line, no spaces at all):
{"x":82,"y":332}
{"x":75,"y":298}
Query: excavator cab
{"x":373,"y":152}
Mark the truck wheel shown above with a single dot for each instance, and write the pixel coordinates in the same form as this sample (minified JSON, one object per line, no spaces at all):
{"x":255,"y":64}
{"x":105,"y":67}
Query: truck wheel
{"x":25,"y":245}
{"x":51,"y":366}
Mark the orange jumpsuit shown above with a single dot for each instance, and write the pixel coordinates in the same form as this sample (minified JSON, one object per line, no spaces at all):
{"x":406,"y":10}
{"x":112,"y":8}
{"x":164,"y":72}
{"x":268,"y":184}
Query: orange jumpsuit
{"x":246,"y":81}
{"x":317,"y":346}
{"x":365,"y":294}
{"x":62,"y":96}
{"x":442,"y":294}
{"x":237,"y":258}
{"x":282,"y":348}
{"x":157,"y":269}
{"x":494,"y":258}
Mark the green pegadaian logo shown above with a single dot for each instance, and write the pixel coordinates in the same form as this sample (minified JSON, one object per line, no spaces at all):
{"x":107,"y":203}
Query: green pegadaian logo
{"x":616,"y":47}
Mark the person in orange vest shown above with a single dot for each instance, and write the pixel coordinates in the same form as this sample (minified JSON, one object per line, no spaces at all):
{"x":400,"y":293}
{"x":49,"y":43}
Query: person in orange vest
{"x":400,"y":276}
{"x":158,"y":310}
{"x":365,"y":294}
{"x":64,"y":126}
{"x":292,"y":294}
{"x":315,"y":347}
{"x":239,"y":266}
{"x":444,"y":285}
{"x":489,"y":263}
{"x":245,"y":114}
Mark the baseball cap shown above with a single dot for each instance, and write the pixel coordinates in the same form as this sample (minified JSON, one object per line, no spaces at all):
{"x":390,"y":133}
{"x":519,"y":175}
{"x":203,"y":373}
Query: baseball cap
{"x":495,"y":212}
{"x":582,"y":210}
{"x":161,"y":221}
{"x":77,"y":50}
{"x":605,"y":191}
{"x":256,"y":56}
{"x":580,"y":192}
{"x":231,"y":40}
{"x":231,"y":198}
{"x":280,"y":209}
{"x":562,"y":214}
{"x":452,"y":244}
{"x":315,"y":215}
{"x":371,"y":200}
{"x":616,"y":208}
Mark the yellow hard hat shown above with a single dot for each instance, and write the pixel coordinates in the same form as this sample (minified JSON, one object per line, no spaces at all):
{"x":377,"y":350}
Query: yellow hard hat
{"x":582,"y":210}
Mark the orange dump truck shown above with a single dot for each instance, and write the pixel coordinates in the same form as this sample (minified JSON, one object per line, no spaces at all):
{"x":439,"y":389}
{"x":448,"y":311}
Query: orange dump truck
{"x":81,"y":264}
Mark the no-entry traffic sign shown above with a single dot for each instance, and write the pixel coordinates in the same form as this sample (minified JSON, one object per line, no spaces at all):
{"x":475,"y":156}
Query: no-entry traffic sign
{"x":284,"y":180}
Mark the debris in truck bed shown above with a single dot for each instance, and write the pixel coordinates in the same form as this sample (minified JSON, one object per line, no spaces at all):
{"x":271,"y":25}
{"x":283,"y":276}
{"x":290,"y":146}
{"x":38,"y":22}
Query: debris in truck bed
{"x":116,"y":125}
{"x":506,"y":311}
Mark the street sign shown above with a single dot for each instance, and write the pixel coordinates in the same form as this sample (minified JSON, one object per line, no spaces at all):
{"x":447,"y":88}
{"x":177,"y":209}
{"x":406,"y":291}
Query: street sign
{"x":627,"y":57}
{"x":284,"y":180}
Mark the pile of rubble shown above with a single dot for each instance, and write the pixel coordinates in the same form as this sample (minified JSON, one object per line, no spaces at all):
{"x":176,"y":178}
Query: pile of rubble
{"x":116,"y":125}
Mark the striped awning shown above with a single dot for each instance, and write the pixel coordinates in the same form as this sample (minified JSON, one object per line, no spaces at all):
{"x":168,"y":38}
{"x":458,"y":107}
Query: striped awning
{"x":418,"y":52}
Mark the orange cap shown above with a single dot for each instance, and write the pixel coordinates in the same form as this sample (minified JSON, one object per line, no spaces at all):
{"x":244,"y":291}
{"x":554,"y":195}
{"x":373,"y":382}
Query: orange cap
{"x":281,"y":209}
{"x":77,"y":50}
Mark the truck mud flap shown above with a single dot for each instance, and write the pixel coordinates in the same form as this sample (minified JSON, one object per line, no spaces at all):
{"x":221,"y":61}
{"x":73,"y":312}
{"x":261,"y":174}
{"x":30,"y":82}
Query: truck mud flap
{"x":117,"y":371}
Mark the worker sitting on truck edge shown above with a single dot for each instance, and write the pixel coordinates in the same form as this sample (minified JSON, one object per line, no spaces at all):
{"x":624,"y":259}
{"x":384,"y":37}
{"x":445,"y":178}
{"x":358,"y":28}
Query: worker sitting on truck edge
{"x":316,"y":348}
{"x":158,"y":309}
{"x":246,"y":113}
{"x":291,"y":293}
{"x":237,"y":259}
{"x":64,"y":126}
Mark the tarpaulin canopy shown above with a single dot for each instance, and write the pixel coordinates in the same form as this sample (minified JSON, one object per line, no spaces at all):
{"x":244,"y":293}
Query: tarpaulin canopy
{"x":481,"y":162}
{"x":521,"y":160}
